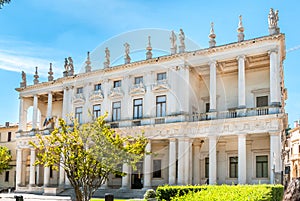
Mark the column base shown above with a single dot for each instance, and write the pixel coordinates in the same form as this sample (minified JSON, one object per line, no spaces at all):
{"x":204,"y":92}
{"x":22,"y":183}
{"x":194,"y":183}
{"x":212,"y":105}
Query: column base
{"x":241,"y":112}
{"x":212,"y":114}
{"x":275,"y":104}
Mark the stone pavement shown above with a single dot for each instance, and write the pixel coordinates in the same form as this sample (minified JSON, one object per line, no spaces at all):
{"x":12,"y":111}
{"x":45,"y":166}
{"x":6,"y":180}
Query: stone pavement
{"x":31,"y":197}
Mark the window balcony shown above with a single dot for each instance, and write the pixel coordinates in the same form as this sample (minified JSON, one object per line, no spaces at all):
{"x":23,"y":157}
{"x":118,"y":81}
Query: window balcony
{"x":79,"y":98}
{"x":160,"y":86}
{"x":116,"y":92}
{"x":96,"y":96}
{"x":137,"y":89}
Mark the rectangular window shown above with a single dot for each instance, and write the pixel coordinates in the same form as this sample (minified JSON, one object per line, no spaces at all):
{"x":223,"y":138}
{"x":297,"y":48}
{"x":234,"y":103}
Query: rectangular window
{"x":116,"y":113}
{"x":206,"y":167}
{"x":160,"y":106}
{"x":78,"y":114}
{"x":6,"y":179}
{"x":262,"y":166}
{"x":96,"y":111}
{"x":233,"y":167}
{"x":79,"y":90}
{"x":9,"y":137}
{"x":51,"y":172}
{"x":117,"y":83}
{"x":97,"y":87}
{"x":156,"y":168}
{"x":138,"y":80}
{"x":262,"y":101}
{"x":207,"y":106}
{"x":137,"y":108}
{"x":161,"y":76}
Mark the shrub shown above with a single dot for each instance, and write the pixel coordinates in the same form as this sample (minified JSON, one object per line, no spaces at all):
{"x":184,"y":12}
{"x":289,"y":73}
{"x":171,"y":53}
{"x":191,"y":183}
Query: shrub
{"x":218,"y":193}
{"x":150,"y":193}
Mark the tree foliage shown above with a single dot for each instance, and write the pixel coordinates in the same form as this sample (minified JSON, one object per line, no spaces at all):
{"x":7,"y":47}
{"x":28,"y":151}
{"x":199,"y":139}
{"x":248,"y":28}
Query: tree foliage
{"x":5,"y":158}
{"x":88,"y":153}
{"x":2,"y":2}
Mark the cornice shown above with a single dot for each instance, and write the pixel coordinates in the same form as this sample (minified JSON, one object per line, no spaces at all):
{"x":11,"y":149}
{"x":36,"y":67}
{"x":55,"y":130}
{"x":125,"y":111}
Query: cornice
{"x":158,"y":60}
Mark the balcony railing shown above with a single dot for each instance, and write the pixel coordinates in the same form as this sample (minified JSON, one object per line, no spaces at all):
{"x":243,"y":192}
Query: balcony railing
{"x":232,"y":113}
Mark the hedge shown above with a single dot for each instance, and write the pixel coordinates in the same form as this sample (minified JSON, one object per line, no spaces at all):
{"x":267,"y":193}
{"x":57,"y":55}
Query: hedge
{"x":219,"y":193}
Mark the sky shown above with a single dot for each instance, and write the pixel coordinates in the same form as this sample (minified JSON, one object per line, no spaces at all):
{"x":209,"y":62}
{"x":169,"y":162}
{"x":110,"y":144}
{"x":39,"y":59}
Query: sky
{"x":37,"y":32}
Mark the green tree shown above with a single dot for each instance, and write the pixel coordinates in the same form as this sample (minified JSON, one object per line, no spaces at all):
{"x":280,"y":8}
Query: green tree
{"x":88,"y":153}
{"x":5,"y":158}
{"x":2,"y":2}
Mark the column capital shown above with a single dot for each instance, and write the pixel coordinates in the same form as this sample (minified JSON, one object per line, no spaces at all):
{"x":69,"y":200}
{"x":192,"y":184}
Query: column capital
{"x":274,"y":50}
{"x":243,"y":135}
{"x":50,"y":92}
{"x":241,"y":57}
{"x":274,"y":133}
{"x":172,"y":139}
{"x":212,"y":62}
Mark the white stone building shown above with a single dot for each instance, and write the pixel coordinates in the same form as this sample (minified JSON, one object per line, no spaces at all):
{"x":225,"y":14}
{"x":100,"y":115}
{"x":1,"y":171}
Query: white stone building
{"x":212,"y":115}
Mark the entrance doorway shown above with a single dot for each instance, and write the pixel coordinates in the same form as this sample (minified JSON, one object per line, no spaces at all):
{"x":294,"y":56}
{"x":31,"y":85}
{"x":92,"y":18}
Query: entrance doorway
{"x":137,"y":176}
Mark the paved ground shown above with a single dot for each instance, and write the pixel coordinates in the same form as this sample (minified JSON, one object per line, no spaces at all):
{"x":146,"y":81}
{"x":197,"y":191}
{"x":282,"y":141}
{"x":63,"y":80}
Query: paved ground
{"x":31,"y":197}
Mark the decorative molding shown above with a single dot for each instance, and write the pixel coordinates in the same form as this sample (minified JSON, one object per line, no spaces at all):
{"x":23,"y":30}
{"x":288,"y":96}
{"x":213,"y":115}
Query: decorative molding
{"x":260,"y":91}
{"x":78,"y":99}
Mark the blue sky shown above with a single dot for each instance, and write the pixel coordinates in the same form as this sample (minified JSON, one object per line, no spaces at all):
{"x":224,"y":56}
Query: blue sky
{"x":37,"y":32}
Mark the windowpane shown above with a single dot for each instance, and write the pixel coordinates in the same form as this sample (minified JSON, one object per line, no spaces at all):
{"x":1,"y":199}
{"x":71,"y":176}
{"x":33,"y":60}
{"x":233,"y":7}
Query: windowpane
{"x":117,"y":83}
{"x":6,"y":176}
{"x":262,"y":166}
{"x":262,"y":101}
{"x":97,"y":110}
{"x":206,"y":167}
{"x":116,"y":111}
{"x":161,"y":76}
{"x":78,"y":114}
{"x":97,"y":87}
{"x":9,"y":136}
{"x":137,"y":108}
{"x":233,"y":167}
{"x":160,"y":106}
{"x":156,"y":168}
{"x":138,"y":80}
{"x":79,"y":90}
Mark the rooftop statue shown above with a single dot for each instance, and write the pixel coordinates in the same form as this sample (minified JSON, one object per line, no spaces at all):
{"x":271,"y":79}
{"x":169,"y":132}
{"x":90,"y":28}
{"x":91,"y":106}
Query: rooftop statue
{"x":173,"y":39}
{"x":70,"y":65}
{"x":66,"y":65}
{"x":181,"y":38}
{"x":107,"y":56}
{"x":273,"y":18}
{"x":127,"y":51}
{"x":23,"y":77}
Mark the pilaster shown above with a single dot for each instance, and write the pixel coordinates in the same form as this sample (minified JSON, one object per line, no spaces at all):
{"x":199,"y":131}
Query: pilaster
{"x":212,"y":160}
{"x":242,"y":158}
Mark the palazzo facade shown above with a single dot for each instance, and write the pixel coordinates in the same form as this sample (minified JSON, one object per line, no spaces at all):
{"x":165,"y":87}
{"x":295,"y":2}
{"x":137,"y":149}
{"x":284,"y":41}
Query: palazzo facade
{"x":214,"y":115}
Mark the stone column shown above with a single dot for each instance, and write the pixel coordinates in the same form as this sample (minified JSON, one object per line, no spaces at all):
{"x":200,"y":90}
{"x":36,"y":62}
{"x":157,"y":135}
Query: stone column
{"x":19,"y":167}
{"x":213,"y":86}
{"x":242,"y":158}
{"x":21,"y":114}
{"x":35,"y":112}
{"x":196,"y":165}
{"x":49,"y":106}
{"x":172,"y":161}
{"x":183,"y":161}
{"x":275,"y":157}
{"x":147,"y":167}
{"x":65,"y":104}
{"x":241,"y":82}
{"x":126,"y":178}
{"x":274,"y":78}
{"x":32,"y":168}
{"x":212,"y":160}
{"x":46,"y":176}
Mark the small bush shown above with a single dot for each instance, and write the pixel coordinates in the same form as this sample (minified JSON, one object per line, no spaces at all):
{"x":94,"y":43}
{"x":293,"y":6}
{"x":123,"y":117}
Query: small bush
{"x":150,"y":193}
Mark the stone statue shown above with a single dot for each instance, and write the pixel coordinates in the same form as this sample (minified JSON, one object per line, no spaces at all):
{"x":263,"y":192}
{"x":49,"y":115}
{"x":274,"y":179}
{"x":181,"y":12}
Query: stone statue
{"x":173,"y":39}
{"x":66,"y":65}
{"x":107,"y":56}
{"x":127,"y":46}
{"x":212,"y":36}
{"x":23,"y":83}
{"x":273,"y":18}
{"x":70,"y":65}
{"x":181,"y":38}
{"x":23,"y":77}
{"x":127,"y":57}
